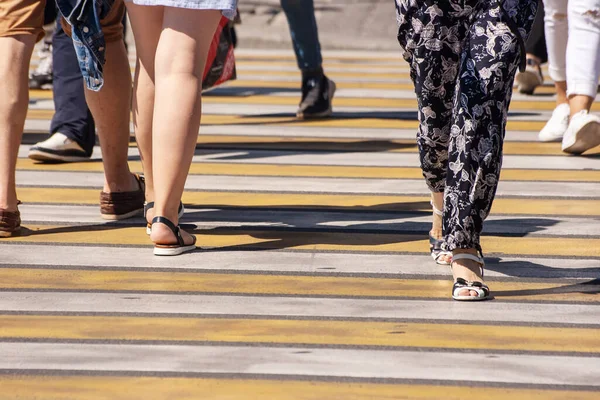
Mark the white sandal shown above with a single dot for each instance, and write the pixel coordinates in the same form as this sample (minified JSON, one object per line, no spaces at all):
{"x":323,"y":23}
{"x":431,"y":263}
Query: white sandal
{"x":460,"y":284}
{"x":435,"y":245}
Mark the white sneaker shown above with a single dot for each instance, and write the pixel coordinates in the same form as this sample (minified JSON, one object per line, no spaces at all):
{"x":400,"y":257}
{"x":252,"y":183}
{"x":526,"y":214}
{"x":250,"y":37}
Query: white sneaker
{"x":556,"y":126}
{"x":583,"y":133}
{"x":58,"y":148}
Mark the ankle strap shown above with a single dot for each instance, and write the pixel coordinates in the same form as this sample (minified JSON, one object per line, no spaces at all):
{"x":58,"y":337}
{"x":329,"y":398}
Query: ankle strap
{"x":435,"y":210}
{"x":174,"y":228}
{"x":147,"y":206}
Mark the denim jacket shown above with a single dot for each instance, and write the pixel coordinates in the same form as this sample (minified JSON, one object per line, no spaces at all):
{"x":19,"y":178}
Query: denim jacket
{"x":84,"y":17}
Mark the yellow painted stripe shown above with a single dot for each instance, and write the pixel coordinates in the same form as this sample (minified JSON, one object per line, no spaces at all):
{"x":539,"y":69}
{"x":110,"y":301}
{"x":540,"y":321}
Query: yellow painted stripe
{"x":250,"y":83}
{"x":158,"y":388}
{"x":400,"y":66}
{"x":339,"y":101}
{"x":350,"y":202}
{"x":331,"y":74}
{"x":331,"y":171}
{"x":329,"y":57}
{"x":301,"y":332}
{"x":211,"y":119}
{"x":178,"y":282}
{"x":312,"y":241}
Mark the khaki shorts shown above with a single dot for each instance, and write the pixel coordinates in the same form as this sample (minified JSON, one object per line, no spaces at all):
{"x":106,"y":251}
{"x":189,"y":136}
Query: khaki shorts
{"x":26,"y":17}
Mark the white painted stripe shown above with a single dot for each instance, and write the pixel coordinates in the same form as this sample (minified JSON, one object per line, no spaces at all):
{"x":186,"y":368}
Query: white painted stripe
{"x":368,"y":159}
{"x":443,"y":310}
{"x":372,"y":159}
{"x":421,"y":365}
{"x":43,"y":126}
{"x":287,"y":262}
{"x":327,"y":185}
{"x":312,"y":219}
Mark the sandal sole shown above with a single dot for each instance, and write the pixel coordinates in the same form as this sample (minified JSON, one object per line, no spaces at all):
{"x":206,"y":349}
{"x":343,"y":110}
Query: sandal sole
{"x":173,"y":251}
{"x":131,"y":214}
{"x":7,"y":234}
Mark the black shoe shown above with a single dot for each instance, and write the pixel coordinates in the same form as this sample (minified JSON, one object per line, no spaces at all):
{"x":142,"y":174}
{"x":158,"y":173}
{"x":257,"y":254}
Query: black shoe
{"x":317,"y":95}
{"x":41,"y":77}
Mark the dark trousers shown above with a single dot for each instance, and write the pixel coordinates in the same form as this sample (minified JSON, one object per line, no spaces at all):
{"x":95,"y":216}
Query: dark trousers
{"x":536,"y":44}
{"x":303,"y":28}
{"x":72,"y":117}
{"x":463,"y":59}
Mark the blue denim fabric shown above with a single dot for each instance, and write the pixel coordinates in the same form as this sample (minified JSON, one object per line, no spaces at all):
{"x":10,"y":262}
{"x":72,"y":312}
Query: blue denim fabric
{"x":303,"y":28}
{"x":84,"y":17}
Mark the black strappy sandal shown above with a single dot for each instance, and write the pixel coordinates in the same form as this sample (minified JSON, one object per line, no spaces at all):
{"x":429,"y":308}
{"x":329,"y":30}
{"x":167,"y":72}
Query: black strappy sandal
{"x":150,"y":205}
{"x":483,"y":291}
{"x":435,"y":245}
{"x":172,"y":249}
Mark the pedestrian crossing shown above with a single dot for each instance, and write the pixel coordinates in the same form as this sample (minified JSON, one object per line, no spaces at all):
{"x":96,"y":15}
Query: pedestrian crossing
{"x":313,"y":278}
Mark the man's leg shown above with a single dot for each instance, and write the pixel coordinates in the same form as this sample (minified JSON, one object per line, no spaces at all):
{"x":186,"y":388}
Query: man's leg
{"x":15,"y":54}
{"x":317,"y":89}
{"x":73,"y":129}
{"x":123,"y":194}
{"x":20,"y":27}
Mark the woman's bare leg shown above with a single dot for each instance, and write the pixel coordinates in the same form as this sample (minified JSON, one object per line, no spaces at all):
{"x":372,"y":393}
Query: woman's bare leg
{"x":179,"y":66}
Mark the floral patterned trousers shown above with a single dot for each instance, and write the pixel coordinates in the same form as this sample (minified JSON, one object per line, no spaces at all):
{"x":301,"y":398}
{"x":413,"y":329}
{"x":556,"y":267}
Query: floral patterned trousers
{"x":463,"y":56}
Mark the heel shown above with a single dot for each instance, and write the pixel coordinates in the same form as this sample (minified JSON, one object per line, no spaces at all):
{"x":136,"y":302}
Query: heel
{"x":172,"y":249}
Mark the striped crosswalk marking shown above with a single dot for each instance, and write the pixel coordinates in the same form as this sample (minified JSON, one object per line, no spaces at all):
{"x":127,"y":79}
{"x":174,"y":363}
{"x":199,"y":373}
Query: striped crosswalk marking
{"x":313,"y":279}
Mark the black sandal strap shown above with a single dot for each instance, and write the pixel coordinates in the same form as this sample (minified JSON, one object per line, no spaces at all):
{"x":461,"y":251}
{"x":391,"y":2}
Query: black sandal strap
{"x":148,"y":206}
{"x":174,"y":228}
{"x":435,"y":244}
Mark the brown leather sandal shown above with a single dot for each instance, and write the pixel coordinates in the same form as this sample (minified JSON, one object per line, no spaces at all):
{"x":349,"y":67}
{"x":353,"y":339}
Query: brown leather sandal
{"x":116,"y":206}
{"x":10,"y":222}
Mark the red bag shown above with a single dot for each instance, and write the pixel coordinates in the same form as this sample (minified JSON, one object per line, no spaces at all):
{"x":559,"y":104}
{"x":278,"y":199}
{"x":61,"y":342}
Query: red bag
{"x":220,"y":64}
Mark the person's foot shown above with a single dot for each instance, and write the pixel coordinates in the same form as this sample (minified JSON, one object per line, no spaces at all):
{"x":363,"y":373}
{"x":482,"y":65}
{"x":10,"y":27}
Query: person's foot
{"x":41,"y":77}
{"x":10,"y":222}
{"x":531,"y":78}
{"x":169,"y":239}
{"x":317,"y":95}
{"x":468,"y":275}
{"x":557,"y":125}
{"x":58,"y":148}
{"x":582,"y":134}
{"x":116,"y":206}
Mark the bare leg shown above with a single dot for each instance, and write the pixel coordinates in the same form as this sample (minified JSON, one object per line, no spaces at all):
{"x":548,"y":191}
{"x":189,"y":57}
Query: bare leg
{"x":561,"y":92}
{"x":436,"y":229}
{"x":15,"y":53}
{"x":580,"y":102}
{"x":180,"y":58}
{"x":147,"y":25}
{"x":110,"y":108}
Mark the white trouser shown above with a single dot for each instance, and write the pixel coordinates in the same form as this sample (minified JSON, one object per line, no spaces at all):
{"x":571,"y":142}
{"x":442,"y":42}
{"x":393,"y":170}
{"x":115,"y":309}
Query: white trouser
{"x":573,"y":41}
